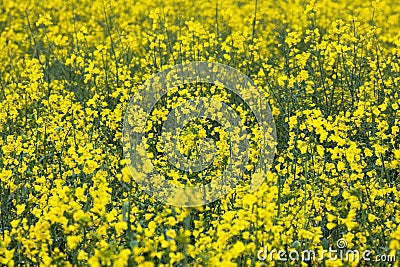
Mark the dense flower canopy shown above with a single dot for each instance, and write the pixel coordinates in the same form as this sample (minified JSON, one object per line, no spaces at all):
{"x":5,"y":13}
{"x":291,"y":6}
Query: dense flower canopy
{"x":330,"y":70}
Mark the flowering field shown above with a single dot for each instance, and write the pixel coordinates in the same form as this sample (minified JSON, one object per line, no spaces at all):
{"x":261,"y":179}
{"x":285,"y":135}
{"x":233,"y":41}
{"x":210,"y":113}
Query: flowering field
{"x":330,"y":71}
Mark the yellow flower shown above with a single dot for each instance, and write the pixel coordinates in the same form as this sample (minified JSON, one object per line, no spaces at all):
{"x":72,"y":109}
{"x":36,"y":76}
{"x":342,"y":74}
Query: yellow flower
{"x":73,"y":241}
{"x":20,"y":208}
{"x":330,"y":225}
